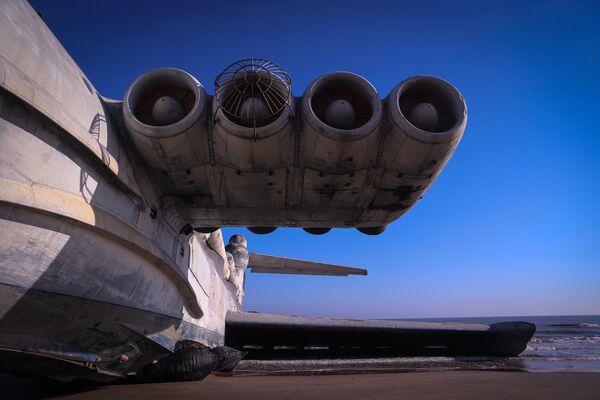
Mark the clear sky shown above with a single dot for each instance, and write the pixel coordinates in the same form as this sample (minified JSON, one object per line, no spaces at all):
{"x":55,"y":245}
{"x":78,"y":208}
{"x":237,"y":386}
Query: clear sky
{"x":512,"y":225}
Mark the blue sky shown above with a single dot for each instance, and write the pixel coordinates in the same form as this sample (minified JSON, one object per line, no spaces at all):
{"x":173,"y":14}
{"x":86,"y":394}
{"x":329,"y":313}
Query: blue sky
{"x":512,"y":225}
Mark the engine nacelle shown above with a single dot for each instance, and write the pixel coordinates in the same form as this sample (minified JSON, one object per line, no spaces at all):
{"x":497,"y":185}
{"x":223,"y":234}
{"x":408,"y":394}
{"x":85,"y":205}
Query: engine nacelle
{"x":253,"y":108}
{"x":253,"y":134}
{"x":426,"y":118}
{"x":165,"y":112}
{"x":341,"y":158}
{"x":341,"y":112}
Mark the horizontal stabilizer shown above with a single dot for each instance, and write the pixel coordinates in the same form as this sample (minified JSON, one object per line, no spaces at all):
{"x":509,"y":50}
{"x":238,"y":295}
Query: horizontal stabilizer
{"x":280,"y":265}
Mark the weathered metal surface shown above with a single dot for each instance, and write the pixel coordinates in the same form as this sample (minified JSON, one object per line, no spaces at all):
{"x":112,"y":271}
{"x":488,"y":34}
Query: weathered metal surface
{"x":281,"y":336}
{"x":298,"y":170}
{"x":102,"y":271}
{"x":249,"y":318}
{"x":39,"y":70}
{"x":168,"y":147}
{"x":88,"y":332}
{"x":95,"y":279}
{"x":42,"y":199}
{"x":280,"y":265}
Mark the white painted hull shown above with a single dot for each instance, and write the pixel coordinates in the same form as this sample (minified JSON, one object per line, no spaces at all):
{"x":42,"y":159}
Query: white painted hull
{"x":88,"y":272}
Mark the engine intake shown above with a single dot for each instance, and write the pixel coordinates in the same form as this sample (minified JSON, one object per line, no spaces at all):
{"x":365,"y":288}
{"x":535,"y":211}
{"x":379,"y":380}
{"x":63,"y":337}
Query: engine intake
{"x":342,"y":106}
{"x":253,"y":93}
{"x":253,"y":108}
{"x":165,"y":113}
{"x":426,"y":120}
{"x":429,"y":109}
{"x":342,"y":112}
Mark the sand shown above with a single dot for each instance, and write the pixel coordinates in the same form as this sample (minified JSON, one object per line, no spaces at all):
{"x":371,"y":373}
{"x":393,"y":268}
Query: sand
{"x":417,"y":385}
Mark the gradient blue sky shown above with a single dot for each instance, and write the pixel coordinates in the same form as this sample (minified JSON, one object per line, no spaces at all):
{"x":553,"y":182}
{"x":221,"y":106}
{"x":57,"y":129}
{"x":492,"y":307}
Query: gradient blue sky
{"x":511,"y":227}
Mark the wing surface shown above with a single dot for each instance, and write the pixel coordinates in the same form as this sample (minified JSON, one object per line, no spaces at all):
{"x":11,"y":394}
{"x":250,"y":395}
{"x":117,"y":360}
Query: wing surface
{"x":280,"y":265}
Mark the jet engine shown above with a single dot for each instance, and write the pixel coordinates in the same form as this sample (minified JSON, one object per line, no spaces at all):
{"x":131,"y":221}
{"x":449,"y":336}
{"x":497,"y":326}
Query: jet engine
{"x":338,"y":156}
{"x":341,"y":113}
{"x":253,"y":108}
{"x":253,"y":134}
{"x":426,"y":118}
{"x":165,"y":113}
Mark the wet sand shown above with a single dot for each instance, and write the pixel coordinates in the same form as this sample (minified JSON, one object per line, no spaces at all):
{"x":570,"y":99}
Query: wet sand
{"x":418,"y":385}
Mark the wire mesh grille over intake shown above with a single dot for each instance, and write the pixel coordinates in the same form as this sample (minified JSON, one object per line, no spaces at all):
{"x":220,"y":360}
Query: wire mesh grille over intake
{"x":253,"y":92}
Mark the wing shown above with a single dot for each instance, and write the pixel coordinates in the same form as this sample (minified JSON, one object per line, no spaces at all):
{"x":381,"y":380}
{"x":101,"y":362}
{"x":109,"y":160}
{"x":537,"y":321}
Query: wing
{"x":280,"y":265}
{"x":272,"y":336}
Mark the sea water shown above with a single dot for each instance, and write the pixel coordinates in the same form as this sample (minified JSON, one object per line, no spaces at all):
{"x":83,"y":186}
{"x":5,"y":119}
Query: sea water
{"x":561,"y":343}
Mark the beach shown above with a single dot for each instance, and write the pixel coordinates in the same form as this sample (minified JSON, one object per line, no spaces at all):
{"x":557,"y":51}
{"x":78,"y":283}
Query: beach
{"x":489,"y":385}
{"x":562,"y":361}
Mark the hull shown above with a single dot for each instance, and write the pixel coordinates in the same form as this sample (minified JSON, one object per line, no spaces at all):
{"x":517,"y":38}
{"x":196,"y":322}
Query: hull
{"x":81,"y":283}
{"x":93,"y":283}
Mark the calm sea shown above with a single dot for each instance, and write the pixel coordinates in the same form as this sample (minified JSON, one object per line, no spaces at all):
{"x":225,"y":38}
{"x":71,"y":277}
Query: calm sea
{"x":561,"y":343}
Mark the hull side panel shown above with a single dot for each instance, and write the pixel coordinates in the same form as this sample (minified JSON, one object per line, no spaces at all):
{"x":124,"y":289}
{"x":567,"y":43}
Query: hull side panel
{"x":87,"y":269}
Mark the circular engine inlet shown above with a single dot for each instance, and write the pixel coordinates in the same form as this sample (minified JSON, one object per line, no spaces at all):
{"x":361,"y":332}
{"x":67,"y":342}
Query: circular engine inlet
{"x":253,"y":92}
{"x":342,"y":106}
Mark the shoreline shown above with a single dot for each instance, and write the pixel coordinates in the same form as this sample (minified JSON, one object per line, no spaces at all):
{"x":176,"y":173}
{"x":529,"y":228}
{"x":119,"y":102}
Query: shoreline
{"x":490,"y":385}
{"x":313,"y":367}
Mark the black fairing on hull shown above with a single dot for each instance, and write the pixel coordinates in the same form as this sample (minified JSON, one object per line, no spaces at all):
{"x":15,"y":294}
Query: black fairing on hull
{"x":228,"y":357}
{"x":190,"y":362}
